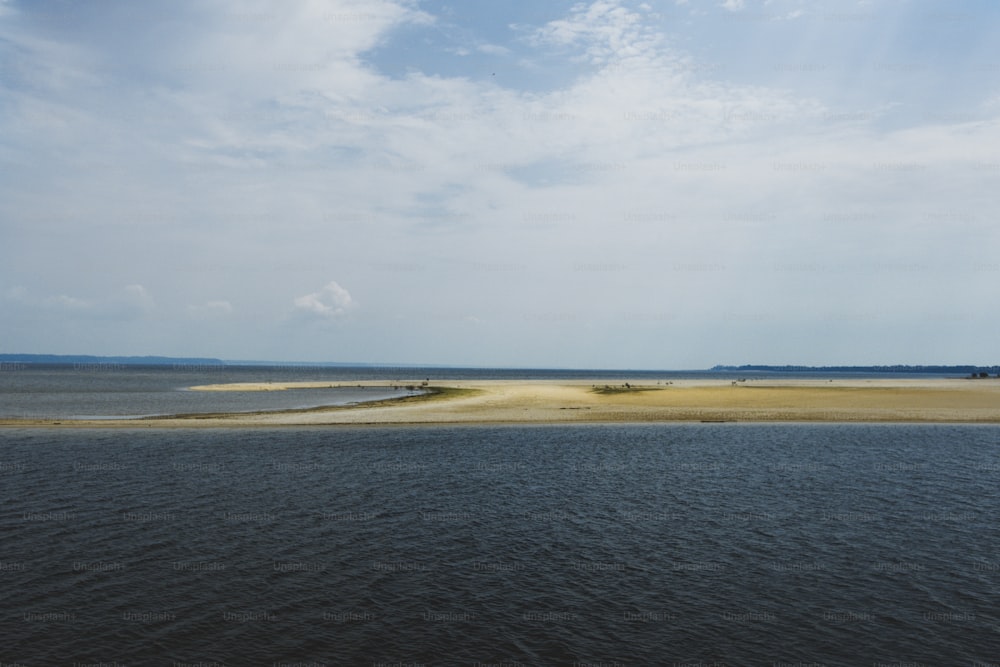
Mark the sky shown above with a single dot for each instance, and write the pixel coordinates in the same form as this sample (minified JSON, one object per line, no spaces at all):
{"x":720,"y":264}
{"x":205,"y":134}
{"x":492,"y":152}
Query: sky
{"x":605,"y":184}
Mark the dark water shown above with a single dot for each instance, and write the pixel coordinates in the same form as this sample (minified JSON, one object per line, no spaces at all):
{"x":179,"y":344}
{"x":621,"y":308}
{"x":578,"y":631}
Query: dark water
{"x":90,"y":391}
{"x":690,"y":544}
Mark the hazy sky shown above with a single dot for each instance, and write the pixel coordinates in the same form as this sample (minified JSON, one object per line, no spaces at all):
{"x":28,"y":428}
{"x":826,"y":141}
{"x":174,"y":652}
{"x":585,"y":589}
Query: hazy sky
{"x":608,"y":184}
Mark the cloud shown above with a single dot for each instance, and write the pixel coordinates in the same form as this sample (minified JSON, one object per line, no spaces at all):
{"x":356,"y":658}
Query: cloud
{"x":607,"y":30}
{"x":138,"y":298}
{"x":733,"y":5}
{"x":68,"y":303}
{"x":131,"y":302}
{"x":332,"y":301}
{"x":211,"y":309}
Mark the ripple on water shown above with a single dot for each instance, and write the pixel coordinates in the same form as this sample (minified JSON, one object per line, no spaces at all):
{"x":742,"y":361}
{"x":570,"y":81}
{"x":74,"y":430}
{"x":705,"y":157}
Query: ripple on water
{"x":541,"y":545}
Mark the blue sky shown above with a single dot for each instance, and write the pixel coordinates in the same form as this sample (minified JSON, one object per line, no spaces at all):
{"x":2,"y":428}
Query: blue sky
{"x":599,"y":184}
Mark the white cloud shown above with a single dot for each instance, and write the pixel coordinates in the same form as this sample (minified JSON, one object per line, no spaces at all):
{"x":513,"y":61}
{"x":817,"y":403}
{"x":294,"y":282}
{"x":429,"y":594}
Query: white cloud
{"x":211,"y":309}
{"x":67,"y":302}
{"x":607,"y":30}
{"x":733,"y":5}
{"x":130,"y":302}
{"x":330,"y":302}
{"x":138,"y":297}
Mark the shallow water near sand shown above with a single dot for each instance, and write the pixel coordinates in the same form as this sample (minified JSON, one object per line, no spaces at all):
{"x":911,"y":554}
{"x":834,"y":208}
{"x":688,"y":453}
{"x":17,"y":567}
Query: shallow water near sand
{"x":115,"y":391}
{"x":545,"y":545}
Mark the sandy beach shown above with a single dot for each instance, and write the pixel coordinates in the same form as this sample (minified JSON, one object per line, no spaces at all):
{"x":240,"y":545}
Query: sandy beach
{"x":579,"y":401}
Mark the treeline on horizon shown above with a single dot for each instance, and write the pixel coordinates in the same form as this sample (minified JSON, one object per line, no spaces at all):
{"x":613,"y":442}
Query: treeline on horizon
{"x":896,"y":368}
{"x":93,"y":359}
{"x":80,"y":359}
{"x":150,"y":360}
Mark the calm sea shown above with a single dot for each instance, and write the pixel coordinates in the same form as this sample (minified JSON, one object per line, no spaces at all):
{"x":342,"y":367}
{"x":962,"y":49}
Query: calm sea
{"x":681,"y":544}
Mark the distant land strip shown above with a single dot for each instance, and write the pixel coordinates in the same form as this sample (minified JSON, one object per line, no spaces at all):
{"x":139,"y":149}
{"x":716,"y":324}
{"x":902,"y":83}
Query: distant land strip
{"x":897,"y":368}
{"x":65,"y":359}
{"x":194,"y":362}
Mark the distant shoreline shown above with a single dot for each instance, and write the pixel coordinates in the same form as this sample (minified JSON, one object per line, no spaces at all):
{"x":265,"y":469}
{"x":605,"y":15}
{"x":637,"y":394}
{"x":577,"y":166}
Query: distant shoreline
{"x":20,"y":361}
{"x":599,"y":401}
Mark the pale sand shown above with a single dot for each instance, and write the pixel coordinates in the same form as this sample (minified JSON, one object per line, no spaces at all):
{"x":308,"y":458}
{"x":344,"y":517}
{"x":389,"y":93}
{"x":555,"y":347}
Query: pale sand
{"x":568,"y":401}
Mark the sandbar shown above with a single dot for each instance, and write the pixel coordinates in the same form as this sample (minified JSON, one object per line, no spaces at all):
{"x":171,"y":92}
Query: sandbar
{"x":601,"y":401}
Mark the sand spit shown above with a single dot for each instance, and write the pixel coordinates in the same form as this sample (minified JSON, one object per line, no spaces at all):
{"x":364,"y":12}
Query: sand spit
{"x":581,"y":401}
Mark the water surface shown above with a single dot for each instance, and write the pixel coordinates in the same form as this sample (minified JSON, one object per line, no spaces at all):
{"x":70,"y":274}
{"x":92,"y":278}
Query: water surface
{"x":629,"y":544}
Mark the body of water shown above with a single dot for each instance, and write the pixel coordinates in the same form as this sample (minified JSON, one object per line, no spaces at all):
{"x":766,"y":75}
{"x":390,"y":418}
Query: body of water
{"x":96,"y":391}
{"x":672,"y":544}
